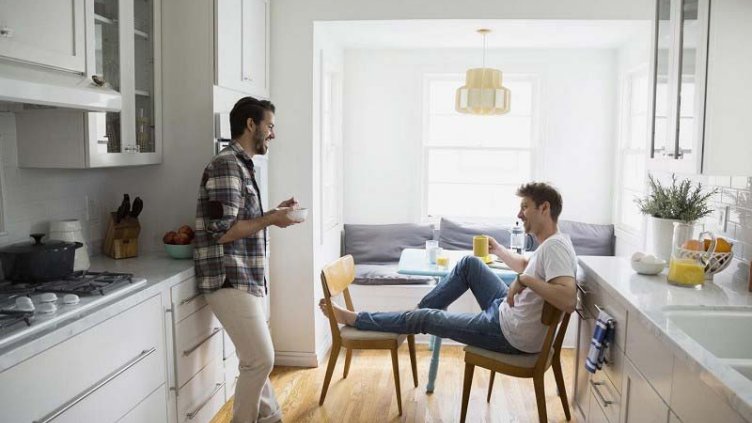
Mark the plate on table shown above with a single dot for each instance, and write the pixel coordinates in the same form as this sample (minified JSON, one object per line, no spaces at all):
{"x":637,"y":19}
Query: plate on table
{"x":490,"y":258}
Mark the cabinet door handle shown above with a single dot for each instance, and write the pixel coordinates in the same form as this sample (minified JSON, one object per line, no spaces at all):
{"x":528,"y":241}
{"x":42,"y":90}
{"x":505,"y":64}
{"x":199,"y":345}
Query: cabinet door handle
{"x":94,"y":388}
{"x":193,"y":413}
{"x":6,"y":32}
{"x":582,"y":316}
{"x":598,"y":393}
{"x":583,"y":290}
{"x":189,"y":299}
{"x":195,"y":347}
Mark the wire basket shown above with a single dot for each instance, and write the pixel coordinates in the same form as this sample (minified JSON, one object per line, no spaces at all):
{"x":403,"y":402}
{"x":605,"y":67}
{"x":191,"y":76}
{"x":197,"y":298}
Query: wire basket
{"x":717,"y":262}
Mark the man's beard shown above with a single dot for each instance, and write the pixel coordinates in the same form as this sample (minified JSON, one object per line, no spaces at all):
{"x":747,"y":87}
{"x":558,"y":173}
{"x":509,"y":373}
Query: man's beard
{"x":258,"y":143}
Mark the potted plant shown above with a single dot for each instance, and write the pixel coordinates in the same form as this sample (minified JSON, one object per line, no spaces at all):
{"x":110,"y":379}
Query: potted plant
{"x":679,"y":202}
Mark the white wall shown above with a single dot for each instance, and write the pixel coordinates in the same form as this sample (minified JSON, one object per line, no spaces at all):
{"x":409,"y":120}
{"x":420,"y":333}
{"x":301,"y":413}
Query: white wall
{"x":34,"y":197}
{"x":384,"y":118}
{"x":295,"y":258}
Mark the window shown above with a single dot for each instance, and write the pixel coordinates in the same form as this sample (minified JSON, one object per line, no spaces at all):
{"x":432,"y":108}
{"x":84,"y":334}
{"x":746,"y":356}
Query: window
{"x":631,"y":153}
{"x":331,"y":146}
{"x":473,"y":165}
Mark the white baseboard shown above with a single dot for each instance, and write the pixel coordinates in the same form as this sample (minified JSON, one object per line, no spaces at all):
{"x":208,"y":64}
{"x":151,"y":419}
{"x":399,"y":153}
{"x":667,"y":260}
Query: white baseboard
{"x":295,"y":359}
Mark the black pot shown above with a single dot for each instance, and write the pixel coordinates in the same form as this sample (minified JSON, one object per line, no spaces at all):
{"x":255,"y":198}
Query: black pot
{"x":38,"y":261}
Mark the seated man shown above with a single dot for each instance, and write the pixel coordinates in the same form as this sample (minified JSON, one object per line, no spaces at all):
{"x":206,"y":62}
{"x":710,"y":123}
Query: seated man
{"x":510,"y":320}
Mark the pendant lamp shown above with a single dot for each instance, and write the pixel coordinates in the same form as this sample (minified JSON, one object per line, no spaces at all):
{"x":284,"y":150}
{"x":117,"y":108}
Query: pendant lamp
{"x":483,"y":93}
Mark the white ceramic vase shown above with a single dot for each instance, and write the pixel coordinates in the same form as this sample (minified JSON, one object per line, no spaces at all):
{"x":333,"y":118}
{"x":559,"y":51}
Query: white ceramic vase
{"x":660,"y":236}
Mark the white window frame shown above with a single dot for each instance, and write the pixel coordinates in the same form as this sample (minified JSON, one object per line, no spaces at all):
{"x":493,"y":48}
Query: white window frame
{"x":535,"y":142}
{"x":624,"y":136}
{"x":331,"y":78}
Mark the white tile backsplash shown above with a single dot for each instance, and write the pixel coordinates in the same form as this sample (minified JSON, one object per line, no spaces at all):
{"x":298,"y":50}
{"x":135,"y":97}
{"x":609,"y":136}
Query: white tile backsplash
{"x":34,"y":197}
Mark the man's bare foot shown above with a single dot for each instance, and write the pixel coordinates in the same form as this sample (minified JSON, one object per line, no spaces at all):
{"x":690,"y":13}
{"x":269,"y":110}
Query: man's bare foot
{"x":341,"y":315}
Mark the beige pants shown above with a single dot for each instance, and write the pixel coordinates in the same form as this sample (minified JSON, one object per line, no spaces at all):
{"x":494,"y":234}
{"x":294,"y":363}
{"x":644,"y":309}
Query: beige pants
{"x":242,"y":316}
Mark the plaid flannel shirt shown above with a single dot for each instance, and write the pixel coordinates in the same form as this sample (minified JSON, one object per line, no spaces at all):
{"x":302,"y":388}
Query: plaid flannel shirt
{"x":228,"y":180}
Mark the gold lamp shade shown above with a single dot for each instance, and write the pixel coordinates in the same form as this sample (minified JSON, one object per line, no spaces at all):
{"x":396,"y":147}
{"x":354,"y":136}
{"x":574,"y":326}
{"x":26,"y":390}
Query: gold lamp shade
{"x":483,"y":93}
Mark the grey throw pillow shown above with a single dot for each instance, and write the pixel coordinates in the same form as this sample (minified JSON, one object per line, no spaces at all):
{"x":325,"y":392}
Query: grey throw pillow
{"x":589,"y":239}
{"x":459,"y":235}
{"x":384,"y":243}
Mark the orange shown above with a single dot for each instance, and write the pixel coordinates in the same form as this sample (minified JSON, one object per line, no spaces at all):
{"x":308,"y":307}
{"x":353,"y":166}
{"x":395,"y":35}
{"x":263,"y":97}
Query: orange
{"x":693,"y":244}
{"x":721,"y":245}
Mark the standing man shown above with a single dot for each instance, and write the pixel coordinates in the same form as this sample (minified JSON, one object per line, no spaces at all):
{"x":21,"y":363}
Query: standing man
{"x":230,"y":254}
{"x":510,"y":320}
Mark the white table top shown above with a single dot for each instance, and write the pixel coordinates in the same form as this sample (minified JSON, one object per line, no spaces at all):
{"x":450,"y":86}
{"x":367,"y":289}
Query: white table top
{"x":414,"y":261}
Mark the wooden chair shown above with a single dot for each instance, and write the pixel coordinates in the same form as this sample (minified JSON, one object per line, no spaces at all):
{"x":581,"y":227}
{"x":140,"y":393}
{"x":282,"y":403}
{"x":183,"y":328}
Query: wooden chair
{"x":524,"y":365}
{"x":336,"y":277}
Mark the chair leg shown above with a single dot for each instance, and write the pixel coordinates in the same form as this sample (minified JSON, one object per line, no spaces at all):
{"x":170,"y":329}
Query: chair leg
{"x":333,"y":354}
{"x":540,"y":398}
{"x":395,"y":367}
{"x":413,"y":361}
{"x":469,"y":369}
{"x":490,"y":385}
{"x":560,"y":386}
{"x":348,"y":357}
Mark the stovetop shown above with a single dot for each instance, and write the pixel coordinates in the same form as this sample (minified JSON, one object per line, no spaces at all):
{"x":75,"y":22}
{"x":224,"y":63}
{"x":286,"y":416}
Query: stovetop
{"x":30,"y":308}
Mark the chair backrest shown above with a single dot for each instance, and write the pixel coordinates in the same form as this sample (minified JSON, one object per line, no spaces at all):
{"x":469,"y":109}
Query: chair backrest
{"x":336,"y":277}
{"x":557,"y":328}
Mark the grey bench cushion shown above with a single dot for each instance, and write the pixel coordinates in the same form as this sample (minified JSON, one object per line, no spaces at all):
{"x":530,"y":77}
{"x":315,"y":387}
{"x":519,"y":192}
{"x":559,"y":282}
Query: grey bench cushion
{"x":386,"y":274}
{"x":589,"y":239}
{"x":459,"y":235}
{"x":384,"y":243}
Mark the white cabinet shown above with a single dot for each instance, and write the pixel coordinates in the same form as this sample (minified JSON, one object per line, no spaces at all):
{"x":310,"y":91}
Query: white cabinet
{"x":50,"y":33}
{"x":123,"y":50}
{"x":641,"y":403}
{"x":701,"y":82}
{"x":152,"y":409}
{"x":242,"y":46}
{"x":728,"y":147}
{"x":98,"y":375}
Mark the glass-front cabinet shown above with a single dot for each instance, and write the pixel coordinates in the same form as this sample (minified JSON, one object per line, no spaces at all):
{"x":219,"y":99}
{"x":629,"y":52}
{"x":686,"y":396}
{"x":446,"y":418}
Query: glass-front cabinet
{"x":678,"y":81}
{"x":123,"y":55}
{"x":125,"y":33}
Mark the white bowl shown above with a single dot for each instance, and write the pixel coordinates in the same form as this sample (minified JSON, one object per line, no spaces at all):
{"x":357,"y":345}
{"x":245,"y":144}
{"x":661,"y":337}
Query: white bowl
{"x":645,"y":268}
{"x":298,"y":215}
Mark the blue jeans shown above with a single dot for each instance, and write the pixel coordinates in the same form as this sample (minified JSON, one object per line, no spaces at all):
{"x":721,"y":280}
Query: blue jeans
{"x":481,"y":330}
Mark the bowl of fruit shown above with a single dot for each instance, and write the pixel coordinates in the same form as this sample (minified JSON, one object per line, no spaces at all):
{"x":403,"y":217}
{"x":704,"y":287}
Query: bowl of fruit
{"x":718,"y":260}
{"x":178,"y":244}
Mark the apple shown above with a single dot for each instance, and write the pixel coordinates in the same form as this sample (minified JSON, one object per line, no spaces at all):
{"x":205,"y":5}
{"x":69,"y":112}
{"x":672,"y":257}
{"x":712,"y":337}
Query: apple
{"x":185,"y":229}
{"x":169,"y":237}
{"x":182,"y":238}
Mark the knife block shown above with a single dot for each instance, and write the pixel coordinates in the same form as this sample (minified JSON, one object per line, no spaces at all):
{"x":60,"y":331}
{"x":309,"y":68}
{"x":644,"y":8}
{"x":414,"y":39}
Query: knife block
{"x":121,"y":240}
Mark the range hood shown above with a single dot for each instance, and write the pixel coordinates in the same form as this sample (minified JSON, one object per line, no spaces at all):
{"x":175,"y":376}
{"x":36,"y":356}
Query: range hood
{"x":70,"y":92}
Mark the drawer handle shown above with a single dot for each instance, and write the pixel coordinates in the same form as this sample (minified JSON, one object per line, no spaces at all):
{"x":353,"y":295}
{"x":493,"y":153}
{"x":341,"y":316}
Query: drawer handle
{"x":580,"y":313}
{"x":598,"y":393}
{"x":583,"y":290}
{"x":193,"y":413}
{"x":6,"y":32}
{"x":188,"y":300}
{"x":195,"y":347}
{"x":80,"y":397}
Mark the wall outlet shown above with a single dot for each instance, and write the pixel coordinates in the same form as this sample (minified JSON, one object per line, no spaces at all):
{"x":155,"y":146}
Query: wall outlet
{"x":721,"y":215}
{"x":92,"y":209}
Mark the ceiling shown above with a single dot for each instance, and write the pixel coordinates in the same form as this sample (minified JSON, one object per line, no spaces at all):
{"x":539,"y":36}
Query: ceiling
{"x":409,"y":34}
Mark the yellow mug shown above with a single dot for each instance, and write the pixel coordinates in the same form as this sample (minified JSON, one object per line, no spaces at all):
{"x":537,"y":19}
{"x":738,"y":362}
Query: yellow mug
{"x":480,"y":246}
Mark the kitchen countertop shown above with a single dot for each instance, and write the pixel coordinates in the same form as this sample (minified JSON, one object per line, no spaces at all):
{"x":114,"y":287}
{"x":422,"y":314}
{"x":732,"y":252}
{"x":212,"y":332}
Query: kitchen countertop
{"x":160,"y":271}
{"x":648,"y":295}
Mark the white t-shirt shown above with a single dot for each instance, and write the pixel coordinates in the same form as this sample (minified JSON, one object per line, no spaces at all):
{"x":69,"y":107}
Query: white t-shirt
{"x":521,"y":324}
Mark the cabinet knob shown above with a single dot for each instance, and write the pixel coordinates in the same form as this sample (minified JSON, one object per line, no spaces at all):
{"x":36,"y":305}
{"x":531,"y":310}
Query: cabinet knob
{"x":6,"y":32}
{"x":247,"y":78}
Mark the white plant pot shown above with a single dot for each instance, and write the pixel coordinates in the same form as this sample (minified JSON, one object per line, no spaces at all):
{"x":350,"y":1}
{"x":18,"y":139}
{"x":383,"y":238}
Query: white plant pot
{"x":660,"y":236}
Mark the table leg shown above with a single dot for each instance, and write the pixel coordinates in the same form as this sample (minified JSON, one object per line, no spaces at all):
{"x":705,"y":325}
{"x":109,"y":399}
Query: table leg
{"x":435,"y":342}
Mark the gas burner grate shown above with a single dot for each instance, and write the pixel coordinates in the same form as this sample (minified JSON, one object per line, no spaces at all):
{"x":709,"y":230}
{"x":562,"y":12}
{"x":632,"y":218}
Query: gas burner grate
{"x":87,"y":283}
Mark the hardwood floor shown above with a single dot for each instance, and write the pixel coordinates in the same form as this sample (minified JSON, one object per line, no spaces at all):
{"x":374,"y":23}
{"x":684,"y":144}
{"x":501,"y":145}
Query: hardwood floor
{"x":367,"y":395}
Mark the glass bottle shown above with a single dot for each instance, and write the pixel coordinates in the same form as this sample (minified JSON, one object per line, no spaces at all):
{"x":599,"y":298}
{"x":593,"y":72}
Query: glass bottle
{"x":517,"y":239}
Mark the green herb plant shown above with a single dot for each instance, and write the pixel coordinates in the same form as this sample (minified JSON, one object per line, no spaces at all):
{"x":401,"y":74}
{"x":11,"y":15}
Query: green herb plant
{"x":679,"y":201}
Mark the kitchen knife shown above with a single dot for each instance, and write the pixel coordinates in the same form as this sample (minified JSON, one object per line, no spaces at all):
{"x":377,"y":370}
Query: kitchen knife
{"x":138,"y":205}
